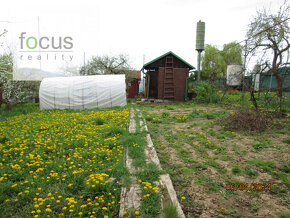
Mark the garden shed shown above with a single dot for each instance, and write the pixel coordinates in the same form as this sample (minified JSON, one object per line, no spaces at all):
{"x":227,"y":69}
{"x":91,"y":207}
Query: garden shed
{"x":83,"y":92}
{"x":134,"y":78}
{"x":166,"y":77}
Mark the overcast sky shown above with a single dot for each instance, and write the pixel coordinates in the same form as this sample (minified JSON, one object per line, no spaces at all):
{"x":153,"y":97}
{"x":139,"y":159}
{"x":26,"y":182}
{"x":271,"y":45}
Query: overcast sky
{"x":133,"y":27}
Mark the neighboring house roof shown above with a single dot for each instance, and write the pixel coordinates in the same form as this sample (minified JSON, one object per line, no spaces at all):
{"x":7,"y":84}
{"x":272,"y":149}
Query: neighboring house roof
{"x":134,"y":74}
{"x":164,"y":55}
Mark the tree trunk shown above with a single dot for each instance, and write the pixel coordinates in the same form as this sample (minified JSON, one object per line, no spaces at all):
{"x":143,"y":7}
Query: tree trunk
{"x":253,"y":99}
{"x":279,"y":83}
{"x":279,"y":80}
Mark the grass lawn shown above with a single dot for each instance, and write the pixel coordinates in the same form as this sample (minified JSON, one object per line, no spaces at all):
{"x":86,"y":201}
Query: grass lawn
{"x":71,"y":163}
{"x":61,"y":163}
{"x":202,"y":158}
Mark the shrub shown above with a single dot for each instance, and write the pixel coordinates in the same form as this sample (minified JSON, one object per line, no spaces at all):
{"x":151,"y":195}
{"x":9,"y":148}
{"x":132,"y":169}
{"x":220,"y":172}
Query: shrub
{"x":206,"y":93}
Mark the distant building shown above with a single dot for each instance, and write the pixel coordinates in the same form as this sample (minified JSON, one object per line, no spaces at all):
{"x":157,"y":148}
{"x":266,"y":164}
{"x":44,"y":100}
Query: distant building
{"x":133,"y":84}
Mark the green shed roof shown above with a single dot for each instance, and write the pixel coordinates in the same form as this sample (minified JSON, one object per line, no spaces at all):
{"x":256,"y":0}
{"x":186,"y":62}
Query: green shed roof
{"x":162,"y":56}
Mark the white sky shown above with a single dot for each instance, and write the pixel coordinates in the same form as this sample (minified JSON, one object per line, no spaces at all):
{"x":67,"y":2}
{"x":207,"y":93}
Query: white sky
{"x":133,"y":27}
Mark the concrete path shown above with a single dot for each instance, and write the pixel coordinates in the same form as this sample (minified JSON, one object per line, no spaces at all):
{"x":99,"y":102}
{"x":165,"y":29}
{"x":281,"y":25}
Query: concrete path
{"x":130,"y":197}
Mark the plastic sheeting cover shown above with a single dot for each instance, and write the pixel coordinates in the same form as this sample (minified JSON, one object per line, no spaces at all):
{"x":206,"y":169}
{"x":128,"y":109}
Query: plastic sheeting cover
{"x":83,"y":92}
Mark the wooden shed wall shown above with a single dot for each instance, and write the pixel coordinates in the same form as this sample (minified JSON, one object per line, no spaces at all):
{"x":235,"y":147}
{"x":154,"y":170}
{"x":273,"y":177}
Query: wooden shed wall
{"x":180,"y":75}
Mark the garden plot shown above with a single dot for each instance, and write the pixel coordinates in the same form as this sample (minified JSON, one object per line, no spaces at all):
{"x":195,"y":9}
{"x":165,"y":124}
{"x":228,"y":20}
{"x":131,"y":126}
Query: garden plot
{"x":62,"y":163}
{"x":202,"y":157}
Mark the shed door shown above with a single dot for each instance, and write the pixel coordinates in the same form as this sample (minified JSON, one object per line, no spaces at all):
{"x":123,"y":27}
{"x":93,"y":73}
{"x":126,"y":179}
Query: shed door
{"x":153,"y":89}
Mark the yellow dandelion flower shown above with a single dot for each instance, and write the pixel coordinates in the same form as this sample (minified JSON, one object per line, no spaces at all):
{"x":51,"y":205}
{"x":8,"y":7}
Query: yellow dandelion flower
{"x":48,"y":210}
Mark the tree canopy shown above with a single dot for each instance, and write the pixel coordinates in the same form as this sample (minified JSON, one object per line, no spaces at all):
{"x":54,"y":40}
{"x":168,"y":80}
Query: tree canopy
{"x":110,"y":65}
{"x":106,"y":65}
{"x":215,"y":61}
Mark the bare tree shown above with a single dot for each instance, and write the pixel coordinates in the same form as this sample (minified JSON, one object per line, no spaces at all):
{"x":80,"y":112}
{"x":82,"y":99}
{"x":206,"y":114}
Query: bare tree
{"x":106,"y":65}
{"x":268,"y":35}
{"x":110,"y":65}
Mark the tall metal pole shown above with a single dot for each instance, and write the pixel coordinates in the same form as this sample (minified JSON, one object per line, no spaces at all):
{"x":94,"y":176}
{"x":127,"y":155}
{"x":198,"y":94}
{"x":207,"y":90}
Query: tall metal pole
{"x":198,"y":65}
{"x":200,"y":32}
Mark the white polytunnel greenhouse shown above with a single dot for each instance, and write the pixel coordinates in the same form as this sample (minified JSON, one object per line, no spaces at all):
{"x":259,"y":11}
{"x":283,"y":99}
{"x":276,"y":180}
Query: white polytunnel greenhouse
{"x":83,"y":92}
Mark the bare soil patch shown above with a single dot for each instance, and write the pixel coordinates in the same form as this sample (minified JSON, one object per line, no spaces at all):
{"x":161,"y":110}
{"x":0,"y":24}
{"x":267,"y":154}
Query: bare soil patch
{"x":203,"y":180}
